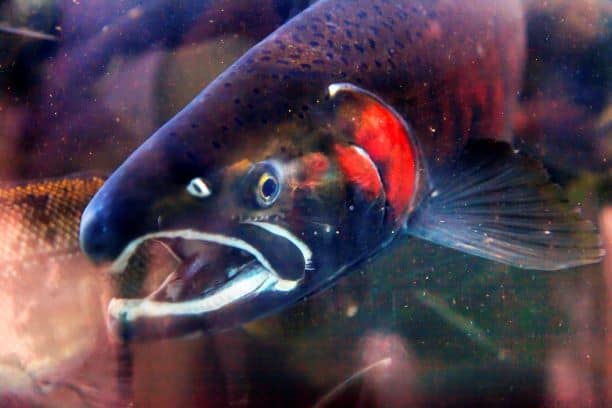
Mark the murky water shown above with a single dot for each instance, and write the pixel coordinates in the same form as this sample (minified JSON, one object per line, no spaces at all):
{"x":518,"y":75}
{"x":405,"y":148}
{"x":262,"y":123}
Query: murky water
{"x":84,"y":83}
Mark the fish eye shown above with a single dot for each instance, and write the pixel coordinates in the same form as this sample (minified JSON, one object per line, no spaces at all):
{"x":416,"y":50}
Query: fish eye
{"x":268,"y":189}
{"x":198,"y":188}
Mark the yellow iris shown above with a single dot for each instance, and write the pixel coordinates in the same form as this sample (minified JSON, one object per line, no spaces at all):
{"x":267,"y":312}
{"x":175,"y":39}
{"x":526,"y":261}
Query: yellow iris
{"x":267,"y":188}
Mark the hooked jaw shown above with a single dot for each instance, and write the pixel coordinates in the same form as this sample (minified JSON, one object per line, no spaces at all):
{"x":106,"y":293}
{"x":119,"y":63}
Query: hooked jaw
{"x":246,"y":275}
{"x":219,"y":308}
{"x":244,"y":289}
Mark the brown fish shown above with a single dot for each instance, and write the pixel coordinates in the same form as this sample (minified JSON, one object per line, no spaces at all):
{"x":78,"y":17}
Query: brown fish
{"x":54,"y":350}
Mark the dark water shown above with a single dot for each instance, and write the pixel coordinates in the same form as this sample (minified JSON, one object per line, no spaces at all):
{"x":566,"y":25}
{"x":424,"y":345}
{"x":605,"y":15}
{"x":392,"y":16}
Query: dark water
{"x":419,"y":325}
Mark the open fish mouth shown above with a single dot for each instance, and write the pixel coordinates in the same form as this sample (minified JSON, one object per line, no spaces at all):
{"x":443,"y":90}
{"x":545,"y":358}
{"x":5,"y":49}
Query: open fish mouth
{"x":215,"y":271}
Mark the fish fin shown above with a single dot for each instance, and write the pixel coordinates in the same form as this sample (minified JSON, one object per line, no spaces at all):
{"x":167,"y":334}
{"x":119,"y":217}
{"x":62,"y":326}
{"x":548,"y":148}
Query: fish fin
{"x":26,"y":32}
{"x":499,"y":204}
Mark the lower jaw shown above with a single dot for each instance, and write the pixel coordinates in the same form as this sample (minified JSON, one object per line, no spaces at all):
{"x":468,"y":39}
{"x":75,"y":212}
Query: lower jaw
{"x":142,"y":319}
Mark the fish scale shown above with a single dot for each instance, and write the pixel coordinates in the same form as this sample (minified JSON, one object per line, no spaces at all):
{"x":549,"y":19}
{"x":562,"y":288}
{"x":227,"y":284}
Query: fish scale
{"x":40,"y":219}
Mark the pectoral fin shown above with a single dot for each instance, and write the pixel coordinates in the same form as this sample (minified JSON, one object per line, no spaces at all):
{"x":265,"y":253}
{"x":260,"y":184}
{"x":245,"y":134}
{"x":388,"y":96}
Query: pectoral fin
{"x":499,"y":204}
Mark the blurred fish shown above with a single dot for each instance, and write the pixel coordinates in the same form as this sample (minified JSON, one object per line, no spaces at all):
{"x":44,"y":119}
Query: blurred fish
{"x":76,"y":105}
{"x":342,"y":131}
{"x":27,"y":38}
{"x":54,"y":348}
{"x":26,"y":32}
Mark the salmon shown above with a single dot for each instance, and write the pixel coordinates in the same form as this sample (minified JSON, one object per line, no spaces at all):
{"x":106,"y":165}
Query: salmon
{"x":355,"y":124}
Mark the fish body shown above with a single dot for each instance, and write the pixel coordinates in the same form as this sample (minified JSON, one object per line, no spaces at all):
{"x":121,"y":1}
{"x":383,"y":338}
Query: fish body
{"x":54,"y":349}
{"x":355,"y":123}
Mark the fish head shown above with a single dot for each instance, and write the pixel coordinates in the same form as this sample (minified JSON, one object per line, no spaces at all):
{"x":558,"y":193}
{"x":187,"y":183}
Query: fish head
{"x":258,"y":218}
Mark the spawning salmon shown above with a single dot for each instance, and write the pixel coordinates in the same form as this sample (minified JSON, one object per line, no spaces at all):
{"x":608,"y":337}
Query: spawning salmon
{"x":355,"y":124}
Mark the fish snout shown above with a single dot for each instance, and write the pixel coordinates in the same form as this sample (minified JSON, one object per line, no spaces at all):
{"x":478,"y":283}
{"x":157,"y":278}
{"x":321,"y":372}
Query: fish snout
{"x":99,"y":240}
{"x":107,"y":227}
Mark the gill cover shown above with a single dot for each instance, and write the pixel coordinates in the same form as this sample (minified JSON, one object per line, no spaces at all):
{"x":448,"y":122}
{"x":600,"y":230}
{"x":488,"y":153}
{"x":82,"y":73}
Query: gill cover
{"x":382,"y":155}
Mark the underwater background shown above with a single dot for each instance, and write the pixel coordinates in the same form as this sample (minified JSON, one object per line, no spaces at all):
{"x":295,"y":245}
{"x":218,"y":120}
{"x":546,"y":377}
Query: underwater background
{"x":83,"y":83}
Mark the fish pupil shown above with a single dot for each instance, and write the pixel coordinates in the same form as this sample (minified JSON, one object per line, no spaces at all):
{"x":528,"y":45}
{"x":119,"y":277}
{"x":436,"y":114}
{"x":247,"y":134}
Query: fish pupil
{"x":269,"y":188}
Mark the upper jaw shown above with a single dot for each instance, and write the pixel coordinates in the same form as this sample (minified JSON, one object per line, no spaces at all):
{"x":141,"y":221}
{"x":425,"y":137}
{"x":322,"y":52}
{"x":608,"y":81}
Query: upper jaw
{"x":120,"y":264}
